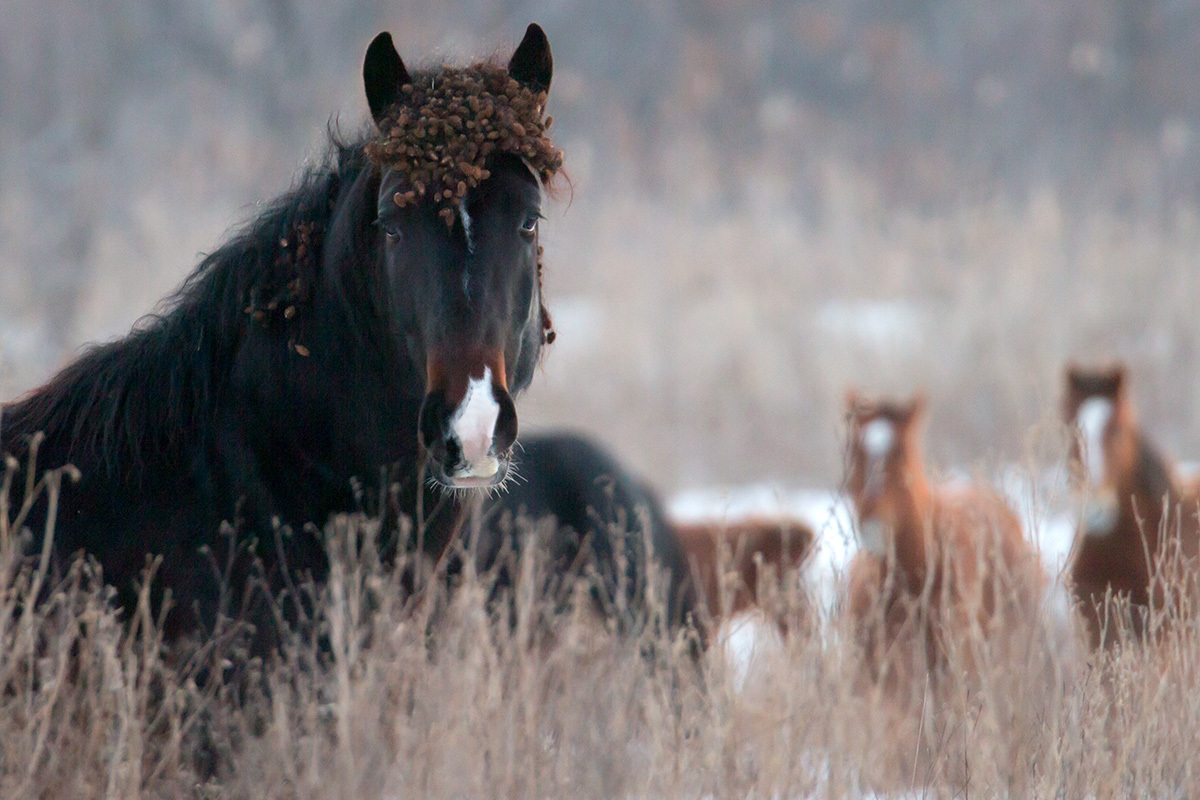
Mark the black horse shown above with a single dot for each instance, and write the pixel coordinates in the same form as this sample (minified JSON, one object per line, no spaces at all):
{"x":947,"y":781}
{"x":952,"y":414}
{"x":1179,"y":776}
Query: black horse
{"x":353,"y":327}
{"x":606,"y":525}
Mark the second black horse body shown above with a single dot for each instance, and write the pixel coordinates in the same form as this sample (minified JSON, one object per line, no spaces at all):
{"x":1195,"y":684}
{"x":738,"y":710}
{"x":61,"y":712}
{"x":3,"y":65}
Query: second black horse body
{"x":595,"y":520}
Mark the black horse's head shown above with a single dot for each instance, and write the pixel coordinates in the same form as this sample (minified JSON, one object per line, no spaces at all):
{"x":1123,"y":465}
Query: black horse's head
{"x":458,"y":207}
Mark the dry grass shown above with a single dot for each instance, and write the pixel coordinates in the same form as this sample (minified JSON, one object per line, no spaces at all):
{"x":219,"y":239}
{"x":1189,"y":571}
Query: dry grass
{"x":445,"y":697}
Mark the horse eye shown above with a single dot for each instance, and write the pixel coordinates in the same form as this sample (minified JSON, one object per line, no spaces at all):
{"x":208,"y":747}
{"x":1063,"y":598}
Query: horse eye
{"x":529,"y":225}
{"x":390,"y":229}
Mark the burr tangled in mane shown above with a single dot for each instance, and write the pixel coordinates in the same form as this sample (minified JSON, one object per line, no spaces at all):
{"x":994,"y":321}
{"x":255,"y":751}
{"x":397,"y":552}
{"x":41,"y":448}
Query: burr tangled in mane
{"x":447,"y":123}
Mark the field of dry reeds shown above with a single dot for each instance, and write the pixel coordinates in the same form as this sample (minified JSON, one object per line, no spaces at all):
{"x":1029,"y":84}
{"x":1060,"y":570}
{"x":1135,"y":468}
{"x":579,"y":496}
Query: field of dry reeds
{"x":448,"y":696}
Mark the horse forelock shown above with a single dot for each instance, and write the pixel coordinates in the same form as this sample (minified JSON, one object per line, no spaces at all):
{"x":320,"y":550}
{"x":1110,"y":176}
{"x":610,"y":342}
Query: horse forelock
{"x":448,"y":123}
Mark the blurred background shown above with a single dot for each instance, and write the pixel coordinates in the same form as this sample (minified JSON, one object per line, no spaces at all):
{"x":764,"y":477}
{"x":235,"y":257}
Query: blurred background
{"x":771,"y":201}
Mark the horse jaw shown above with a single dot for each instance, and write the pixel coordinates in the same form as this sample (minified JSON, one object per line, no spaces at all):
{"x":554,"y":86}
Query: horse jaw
{"x":473,"y":424}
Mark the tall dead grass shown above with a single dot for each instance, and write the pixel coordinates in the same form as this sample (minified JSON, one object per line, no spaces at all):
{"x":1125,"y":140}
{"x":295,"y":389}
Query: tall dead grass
{"x":384,"y":697}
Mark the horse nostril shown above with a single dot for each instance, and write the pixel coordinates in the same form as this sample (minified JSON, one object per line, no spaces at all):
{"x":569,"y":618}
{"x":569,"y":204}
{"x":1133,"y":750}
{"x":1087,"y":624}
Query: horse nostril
{"x":505,"y":433}
{"x":432,"y":423}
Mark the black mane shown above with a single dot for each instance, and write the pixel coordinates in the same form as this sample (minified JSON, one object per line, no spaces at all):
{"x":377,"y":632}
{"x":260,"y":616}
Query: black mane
{"x":266,"y":384}
{"x":1154,"y":475}
{"x":128,"y":403}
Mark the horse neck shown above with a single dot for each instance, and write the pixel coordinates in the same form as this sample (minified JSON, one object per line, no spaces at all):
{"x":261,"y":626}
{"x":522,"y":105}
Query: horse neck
{"x":914,"y":534}
{"x":1144,"y":489}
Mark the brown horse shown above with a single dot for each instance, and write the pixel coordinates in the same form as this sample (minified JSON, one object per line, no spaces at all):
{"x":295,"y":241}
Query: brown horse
{"x":937,"y":564}
{"x":1139,"y":533}
{"x":727,"y":560}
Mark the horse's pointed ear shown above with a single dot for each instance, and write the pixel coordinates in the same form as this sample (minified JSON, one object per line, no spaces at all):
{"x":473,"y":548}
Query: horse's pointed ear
{"x":918,"y":409}
{"x":1117,"y":375}
{"x":1073,"y":373}
{"x":383,"y":75}
{"x":531,"y":63}
{"x":852,"y":403}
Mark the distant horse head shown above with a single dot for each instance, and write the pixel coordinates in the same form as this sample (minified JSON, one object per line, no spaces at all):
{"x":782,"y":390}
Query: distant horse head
{"x":884,"y":461}
{"x":463,"y":156}
{"x":1105,"y":446}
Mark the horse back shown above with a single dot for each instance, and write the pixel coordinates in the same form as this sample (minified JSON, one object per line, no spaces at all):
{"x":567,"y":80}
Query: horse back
{"x":603,"y":515}
{"x":985,"y":546}
{"x":749,"y":545}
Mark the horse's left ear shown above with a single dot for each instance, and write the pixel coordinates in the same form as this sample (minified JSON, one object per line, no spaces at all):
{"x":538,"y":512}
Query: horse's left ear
{"x":383,"y":75}
{"x":1117,"y":375}
{"x":531,"y":63}
{"x":918,"y":409}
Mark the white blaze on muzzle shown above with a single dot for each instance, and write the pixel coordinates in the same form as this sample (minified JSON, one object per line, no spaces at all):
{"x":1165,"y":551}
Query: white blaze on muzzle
{"x":1101,"y":509}
{"x":1092,"y":420}
{"x":878,"y":439}
{"x":473,"y":425}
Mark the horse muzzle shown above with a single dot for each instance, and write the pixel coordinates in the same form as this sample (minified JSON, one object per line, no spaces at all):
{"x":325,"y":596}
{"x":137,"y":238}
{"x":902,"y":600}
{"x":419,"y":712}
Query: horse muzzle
{"x":1100,"y":514}
{"x":873,"y":536}
{"x":468,"y":438}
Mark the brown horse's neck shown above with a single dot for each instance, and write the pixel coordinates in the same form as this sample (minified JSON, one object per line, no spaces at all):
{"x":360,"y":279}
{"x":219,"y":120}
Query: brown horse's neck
{"x":1143,"y":491}
{"x":914,"y":536}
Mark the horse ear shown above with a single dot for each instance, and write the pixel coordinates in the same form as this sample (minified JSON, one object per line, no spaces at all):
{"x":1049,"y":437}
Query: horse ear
{"x":531,"y":63}
{"x":852,"y":403}
{"x":383,"y":75}
{"x":1116,"y":376}
{"x":1073,"y":374}
{"x":918,"y":409}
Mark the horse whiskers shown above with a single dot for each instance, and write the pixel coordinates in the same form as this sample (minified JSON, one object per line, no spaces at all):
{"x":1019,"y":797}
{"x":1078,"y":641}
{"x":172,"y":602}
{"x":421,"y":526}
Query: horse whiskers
{"x":512,"y":478}
{"x":489,"y":492}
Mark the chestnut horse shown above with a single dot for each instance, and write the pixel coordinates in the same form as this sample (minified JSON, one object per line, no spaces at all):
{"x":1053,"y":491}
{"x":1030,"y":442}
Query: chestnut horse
{"x":938,"y":565}
{"x":727,"y":559}
{"x":381,"y":316}
{"x":1139,"y":535}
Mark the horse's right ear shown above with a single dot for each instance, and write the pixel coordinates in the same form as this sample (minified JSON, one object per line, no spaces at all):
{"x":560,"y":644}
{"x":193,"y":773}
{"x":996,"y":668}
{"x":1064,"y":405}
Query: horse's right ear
{"x":918,"y":408}
{"x":383,"y":75}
